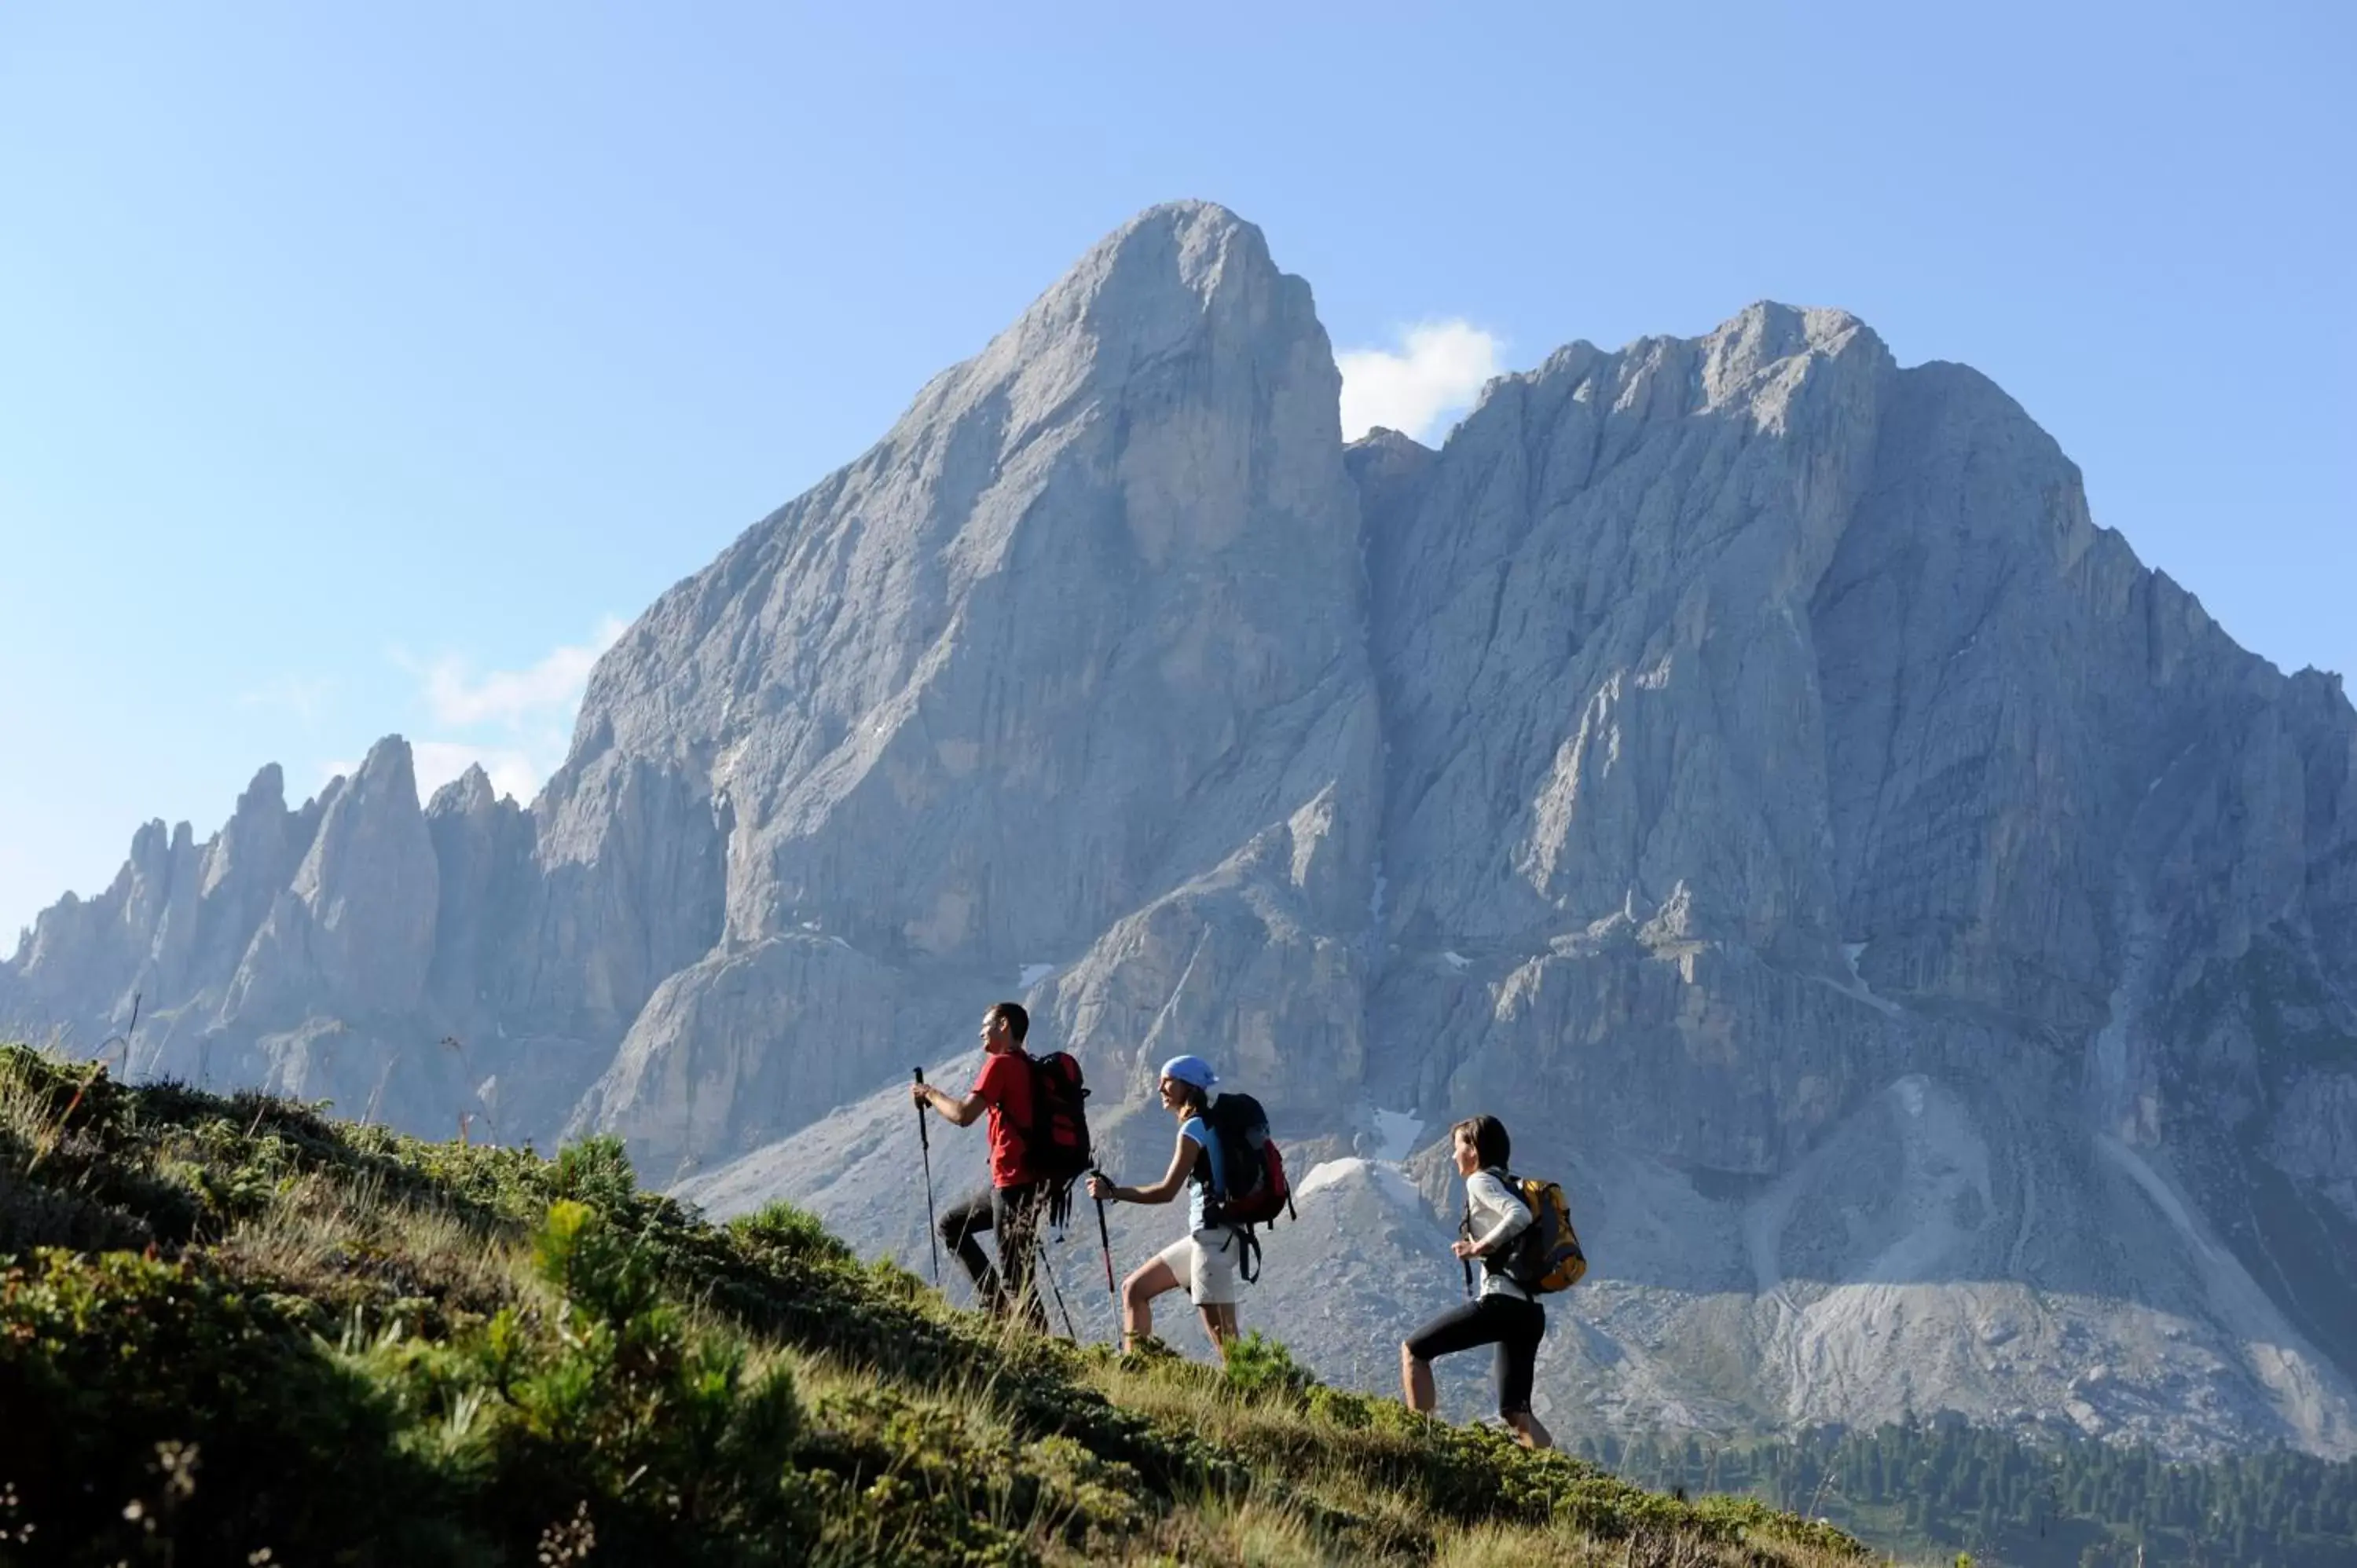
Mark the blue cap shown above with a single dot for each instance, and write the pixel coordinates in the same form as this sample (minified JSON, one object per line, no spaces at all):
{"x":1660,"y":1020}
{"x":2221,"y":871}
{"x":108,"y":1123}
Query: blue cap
{"x":1190,"y":1069}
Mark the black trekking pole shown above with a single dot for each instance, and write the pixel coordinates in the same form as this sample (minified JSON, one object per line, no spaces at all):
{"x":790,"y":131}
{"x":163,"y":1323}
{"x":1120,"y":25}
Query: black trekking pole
{"x":1039,"y":1251}
{"x":1465,"y":1230}
{"x":1104,"y":1240}
{"x":925,"y":1143}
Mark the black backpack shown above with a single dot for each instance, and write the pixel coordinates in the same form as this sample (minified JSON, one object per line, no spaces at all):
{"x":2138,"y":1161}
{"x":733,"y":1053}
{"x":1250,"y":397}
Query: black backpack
{"x":1257,"y":1192}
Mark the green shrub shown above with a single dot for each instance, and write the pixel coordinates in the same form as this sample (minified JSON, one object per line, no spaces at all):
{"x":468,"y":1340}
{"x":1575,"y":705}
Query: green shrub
{"x":1338,"y":1407}
{"x":595,"y":1171}
{"x":794,"y":1232}
{"x":1262,"y":1368}
{"x":146,"y":1396}
{"x":680,"y":1446}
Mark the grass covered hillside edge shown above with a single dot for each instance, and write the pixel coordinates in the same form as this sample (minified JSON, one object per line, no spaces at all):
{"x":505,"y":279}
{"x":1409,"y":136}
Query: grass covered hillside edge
{"x":235,"y":1331}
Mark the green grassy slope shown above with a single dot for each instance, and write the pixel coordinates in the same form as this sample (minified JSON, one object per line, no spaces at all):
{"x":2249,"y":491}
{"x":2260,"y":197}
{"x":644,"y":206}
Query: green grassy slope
{"x":234,"y":1331}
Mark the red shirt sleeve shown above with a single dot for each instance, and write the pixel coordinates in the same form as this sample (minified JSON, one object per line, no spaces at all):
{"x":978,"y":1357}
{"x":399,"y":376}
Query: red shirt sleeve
{"x":991,"y":1082}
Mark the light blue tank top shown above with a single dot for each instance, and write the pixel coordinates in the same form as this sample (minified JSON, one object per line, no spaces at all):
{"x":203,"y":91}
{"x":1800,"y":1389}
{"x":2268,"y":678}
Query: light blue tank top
{"x":1198,"y":1192}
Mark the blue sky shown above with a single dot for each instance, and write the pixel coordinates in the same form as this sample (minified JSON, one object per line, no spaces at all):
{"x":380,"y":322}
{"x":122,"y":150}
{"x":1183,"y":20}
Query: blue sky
{"x":361,"y":366}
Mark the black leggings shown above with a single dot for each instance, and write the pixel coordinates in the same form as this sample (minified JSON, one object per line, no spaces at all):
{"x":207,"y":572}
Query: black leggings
{"x":1515,"y":1326}
{"x":1013,"y":1212}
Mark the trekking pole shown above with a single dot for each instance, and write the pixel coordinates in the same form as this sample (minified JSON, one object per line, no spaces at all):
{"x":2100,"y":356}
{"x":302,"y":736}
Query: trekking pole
{"x":1466,"y":1230}
{"x":1104,"y":1240}
{"x":925,"y":1143}
{"x":1039,"y":1251}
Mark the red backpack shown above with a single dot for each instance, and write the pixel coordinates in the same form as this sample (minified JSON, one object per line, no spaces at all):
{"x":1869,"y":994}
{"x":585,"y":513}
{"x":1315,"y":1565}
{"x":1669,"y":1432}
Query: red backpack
{"x":1054,"y":1142}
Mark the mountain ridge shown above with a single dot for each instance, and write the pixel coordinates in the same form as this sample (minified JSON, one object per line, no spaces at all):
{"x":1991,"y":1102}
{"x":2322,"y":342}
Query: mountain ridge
{"x":1743,"y":757}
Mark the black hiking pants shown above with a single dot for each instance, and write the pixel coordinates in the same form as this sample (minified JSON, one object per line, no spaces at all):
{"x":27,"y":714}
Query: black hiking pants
{"x":1515,"y":1326}
{"x":1015,"y":1213}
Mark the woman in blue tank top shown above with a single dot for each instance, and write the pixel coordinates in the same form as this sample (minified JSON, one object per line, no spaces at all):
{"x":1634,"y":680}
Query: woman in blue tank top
{"x":1203,"y":1262}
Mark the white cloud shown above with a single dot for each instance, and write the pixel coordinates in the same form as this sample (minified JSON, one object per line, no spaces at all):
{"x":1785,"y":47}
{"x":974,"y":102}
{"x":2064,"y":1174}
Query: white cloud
{"x":1438,"y":367}
{"x":456,"y":696}
{"x":521,"y":716}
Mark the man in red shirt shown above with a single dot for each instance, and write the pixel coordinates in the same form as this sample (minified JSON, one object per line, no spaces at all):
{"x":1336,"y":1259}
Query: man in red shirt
{"x":1010,"y":1204}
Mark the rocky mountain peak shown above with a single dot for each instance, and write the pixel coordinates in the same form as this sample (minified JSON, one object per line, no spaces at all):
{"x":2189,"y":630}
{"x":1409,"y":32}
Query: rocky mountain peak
{"x":358,"y":918}
{"x":470,"y":794}
{"x":1130,"y":500}
{"x":1766,"y":333}
{"x":1919,"y":935}
{"x":1134,"y":287}
{"x":266,"y":792}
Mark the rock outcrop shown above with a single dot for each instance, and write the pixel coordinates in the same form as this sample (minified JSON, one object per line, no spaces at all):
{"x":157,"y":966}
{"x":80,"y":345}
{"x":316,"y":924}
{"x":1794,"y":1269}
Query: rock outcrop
{"x":1926,"y":942}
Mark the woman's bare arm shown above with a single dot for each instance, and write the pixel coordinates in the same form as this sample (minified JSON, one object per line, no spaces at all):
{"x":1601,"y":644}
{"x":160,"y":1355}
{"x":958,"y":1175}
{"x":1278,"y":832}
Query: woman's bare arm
{"x":1182,"y":1164}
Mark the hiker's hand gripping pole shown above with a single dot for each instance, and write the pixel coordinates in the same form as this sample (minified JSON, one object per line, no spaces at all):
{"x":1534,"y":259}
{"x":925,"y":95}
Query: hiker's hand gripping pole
{"x":925,"y":1144}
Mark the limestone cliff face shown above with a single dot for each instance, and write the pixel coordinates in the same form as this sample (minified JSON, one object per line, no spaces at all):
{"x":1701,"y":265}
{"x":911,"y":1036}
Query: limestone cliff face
{"x":1608,"y":737}
{"x":1081,"y":635}
{"x":1752,"y":689}
{"x":1925,"y":941}
{"x":356,"y":921}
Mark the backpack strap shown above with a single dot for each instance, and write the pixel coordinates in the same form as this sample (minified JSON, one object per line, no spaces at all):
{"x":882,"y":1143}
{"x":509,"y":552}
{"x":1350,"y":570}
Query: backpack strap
{"x":1501,"y":1261}
{"x":1201,"y":1172}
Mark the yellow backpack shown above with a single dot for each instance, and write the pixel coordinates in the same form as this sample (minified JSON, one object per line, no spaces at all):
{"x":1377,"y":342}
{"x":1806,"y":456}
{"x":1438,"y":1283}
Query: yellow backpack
{"x":1546,"y":1255}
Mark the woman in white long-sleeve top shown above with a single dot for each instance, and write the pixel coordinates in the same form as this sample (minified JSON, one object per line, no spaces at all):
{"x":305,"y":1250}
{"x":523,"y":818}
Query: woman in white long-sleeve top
{"x":1504,"y":1313}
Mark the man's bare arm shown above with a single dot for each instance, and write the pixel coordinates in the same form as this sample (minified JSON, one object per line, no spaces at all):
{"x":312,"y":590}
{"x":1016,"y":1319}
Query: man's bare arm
{"x":957,"y":1112}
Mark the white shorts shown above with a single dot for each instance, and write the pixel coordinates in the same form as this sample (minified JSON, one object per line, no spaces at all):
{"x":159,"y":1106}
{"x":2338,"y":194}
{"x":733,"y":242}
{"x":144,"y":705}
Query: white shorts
{"x":1205,"y":1263}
